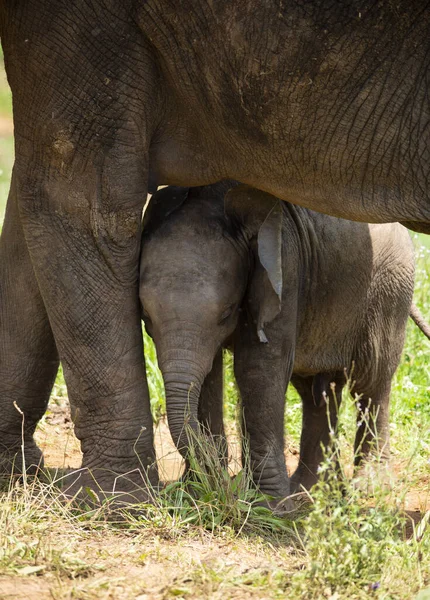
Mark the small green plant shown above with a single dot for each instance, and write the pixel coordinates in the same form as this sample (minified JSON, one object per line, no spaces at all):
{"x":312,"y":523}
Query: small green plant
{"x":231,"y":395}
{"x":209,"y":497}
{"x":352,"y":539}
{"x":155,"y":379}
{"x":345,"y":541}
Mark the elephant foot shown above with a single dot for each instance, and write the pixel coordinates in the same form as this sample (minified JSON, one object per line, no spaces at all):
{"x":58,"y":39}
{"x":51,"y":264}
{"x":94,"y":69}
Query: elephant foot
{"x":281,"y":507}
{"x":14,"y":462}
{"x":279,"y":499}
{"x":373,"y":476}
{"x":303,"y":479}
{"x":94,"y":487}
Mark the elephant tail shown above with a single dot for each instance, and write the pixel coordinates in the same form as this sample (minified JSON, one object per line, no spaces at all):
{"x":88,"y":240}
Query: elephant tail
{"x":419,"y":320}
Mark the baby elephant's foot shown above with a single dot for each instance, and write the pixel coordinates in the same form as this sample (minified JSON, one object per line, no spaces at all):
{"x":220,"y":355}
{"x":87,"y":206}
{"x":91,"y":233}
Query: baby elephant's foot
{"x":278,"y":498}
{"x":303,"y":479}
{"x":373,"y":476}
{"x":284,"y":507}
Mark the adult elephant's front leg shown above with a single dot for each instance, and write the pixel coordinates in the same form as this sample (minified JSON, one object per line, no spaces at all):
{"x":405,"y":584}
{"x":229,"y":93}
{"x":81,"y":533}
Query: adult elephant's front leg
{"x":84,"y":249}
{"x":85,"y":91}
{"x":262,"y":373}
{"x":28,"y":355}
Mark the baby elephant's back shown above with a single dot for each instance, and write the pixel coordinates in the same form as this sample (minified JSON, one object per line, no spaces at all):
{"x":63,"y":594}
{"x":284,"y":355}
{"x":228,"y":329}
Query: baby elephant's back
{"x":358,"y":290}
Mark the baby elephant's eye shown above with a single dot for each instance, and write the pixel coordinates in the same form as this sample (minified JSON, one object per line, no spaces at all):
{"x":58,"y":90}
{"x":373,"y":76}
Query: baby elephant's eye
{"x":226,"y":314}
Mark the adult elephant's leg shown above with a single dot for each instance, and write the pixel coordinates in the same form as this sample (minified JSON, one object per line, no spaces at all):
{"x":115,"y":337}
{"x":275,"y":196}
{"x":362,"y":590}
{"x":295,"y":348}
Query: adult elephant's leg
{"x":210,"y":411}
{"x":86,"y":94}
{"x":318,"y":423}
{"x":262,"y":373}
{"x":85,"y":256}
{"x":28,"y":355}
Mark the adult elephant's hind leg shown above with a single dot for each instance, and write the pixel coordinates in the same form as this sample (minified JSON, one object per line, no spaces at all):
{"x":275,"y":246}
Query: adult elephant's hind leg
{"x":28,"y":355}
{"x":87,"y":99}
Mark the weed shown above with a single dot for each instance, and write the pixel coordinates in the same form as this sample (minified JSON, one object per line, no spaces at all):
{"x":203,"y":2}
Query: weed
{"x":211,"y":499}
{"x":353,"y":539}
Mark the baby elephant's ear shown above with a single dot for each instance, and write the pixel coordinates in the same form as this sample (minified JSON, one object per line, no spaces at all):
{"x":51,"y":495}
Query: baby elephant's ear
{"x":270,"y":256}
{"x":260,"y":216}
{"x":162,"y":203}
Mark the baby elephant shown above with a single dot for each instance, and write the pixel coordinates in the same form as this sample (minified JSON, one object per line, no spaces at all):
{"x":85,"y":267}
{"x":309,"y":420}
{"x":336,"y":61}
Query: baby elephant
{"x":298,"y":295}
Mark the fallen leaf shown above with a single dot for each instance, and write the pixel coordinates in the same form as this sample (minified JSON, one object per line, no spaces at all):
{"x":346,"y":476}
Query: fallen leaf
{"x":29,"y":570}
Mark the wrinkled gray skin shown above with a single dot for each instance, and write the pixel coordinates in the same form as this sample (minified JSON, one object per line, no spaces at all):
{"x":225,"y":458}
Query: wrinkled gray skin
{"x":321,"y":103}
{"x":301,"y":296}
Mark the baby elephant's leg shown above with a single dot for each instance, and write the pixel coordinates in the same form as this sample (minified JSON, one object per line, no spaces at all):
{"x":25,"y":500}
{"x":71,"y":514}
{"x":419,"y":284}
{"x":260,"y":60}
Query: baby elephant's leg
{"x":373,"y":436}
{"x":321,"y":397}
{"x":210,"y":411}
{"x":262,"y":374}
{"x":372,"y":439}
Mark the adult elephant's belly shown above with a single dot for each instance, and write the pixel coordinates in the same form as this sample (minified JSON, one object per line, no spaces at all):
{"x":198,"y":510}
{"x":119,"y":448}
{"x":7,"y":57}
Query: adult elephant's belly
{"x":191,"y":157}
{"x":315,"y":114}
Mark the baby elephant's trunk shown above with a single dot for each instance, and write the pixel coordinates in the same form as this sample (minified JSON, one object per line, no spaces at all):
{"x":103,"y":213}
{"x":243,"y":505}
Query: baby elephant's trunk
{"x":183,"y":380}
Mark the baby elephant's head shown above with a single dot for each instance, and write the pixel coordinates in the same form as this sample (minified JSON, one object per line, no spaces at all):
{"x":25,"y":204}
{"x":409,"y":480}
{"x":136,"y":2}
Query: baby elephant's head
{"x":198,"y":262}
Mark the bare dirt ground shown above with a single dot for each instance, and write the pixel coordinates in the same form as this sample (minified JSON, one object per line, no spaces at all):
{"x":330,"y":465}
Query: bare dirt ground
{"x":153,"y":570}
{"x":134,"y":567}
{"x":142,"y":568}
{"x":6,"y":126}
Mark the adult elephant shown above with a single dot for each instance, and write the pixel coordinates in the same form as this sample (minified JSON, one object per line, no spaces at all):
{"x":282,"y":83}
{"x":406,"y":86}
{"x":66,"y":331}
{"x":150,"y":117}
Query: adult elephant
{"x":322,"y":104}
